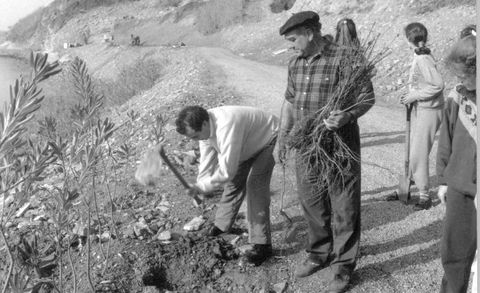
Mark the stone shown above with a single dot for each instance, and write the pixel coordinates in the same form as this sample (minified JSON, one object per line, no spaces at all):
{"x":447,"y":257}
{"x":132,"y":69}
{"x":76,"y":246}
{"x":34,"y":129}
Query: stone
{"x":164,"y":236}
{"x":280,"y":287}
{"x":22,"y":210}
{"x":106,"y":236}
{"x":40,"y":218}
{"x":150,"y":289}
{"x":163,"y":208}
{"x":195,"y":224}
{"x":141,"y":229}
{"x":244,"y":248}
{"x":80,"y":230}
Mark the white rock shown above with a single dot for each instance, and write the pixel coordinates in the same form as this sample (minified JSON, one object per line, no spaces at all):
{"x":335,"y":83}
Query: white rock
{"x":163,"y":209}
{"x":235,"y":240}
{"x":22,"y":210}
{"x":40,"y":218}
{"x":280,"y":287}
{"x":105,"y":236}
{"x":164,"y":236}
{"x":245,"y":248}
{"x":195,"y":224}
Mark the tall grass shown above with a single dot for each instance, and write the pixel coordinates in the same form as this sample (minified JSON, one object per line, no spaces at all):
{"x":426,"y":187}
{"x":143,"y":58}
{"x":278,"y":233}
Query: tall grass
{"x":131,"y":80}
{"x":426,"y":6}
{"x":218,"y":14}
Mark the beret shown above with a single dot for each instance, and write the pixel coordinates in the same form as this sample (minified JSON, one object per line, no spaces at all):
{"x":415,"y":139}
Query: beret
{"x":298,"y":19}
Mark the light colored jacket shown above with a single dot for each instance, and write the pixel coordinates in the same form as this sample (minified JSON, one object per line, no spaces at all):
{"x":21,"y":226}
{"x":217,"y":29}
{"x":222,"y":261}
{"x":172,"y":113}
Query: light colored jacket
{"x":425,"y":83}
{"x":237,"y":133}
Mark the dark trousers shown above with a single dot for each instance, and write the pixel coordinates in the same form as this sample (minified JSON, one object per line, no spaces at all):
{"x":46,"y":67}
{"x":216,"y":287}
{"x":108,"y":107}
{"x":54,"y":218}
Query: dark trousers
{"x":458,"y":242}
{"x":253,"y":182}
{"x":332,"y":212}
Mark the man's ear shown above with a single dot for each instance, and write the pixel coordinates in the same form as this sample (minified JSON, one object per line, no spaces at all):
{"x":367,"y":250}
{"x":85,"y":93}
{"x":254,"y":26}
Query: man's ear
{"x":309,"y":35}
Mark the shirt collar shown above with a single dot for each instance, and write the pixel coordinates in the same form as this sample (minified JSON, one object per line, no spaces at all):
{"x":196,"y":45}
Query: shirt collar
{"x":319,"y":52}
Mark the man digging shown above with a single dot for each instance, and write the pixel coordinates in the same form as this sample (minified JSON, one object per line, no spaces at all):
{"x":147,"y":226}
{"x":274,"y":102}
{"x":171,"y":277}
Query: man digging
{"x":236,"y":145}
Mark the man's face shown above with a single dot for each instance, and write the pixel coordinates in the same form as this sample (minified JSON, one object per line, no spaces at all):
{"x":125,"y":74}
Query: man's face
{"x":301,"y":40}
{"x":203,"y":134}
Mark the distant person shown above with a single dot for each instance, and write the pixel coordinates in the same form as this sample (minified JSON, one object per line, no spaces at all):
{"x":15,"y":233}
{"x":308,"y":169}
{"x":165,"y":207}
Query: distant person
{"x":346,"y":33}
{"x":236,"y":145}
{"x":425,"y":95}
{"x":134,"y":40}
{"x":456,"y":169}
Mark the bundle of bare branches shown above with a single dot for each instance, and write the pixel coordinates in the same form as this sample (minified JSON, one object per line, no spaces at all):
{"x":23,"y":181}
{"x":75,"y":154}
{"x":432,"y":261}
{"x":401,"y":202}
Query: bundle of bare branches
{"x":325,"y":152}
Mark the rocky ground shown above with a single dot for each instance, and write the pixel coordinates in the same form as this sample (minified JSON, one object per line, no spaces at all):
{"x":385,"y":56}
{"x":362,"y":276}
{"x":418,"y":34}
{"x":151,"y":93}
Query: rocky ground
{"x":150,"y":251}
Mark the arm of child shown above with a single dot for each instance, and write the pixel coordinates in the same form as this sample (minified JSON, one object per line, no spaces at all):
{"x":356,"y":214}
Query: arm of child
{"x":433,"y":85}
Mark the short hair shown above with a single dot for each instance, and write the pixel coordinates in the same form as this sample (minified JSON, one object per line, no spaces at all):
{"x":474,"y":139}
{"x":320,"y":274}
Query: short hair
{"x":417,"y":34}
{"x":463,"y":54}
{"x":193,"y":116}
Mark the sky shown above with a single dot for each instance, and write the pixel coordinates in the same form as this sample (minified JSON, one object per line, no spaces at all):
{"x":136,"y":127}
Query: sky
{"x":12,"y":10}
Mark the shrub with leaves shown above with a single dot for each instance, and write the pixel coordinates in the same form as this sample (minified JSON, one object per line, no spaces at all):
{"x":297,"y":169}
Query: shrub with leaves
{"x":21,"y":162}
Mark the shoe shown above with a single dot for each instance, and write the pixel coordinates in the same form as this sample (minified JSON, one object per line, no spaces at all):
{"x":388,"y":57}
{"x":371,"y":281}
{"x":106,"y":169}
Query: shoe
{"x":391,"y":197}
{"x":308,"y":267}
{"x":424,"y":203}
{"x":258,"y":254}
{"x":339,"y":283}
{"x":214,"y":231}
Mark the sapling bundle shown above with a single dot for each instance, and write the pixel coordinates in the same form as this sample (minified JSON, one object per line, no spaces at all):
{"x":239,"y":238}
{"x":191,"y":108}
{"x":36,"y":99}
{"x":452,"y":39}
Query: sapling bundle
{"x":324,"y":152}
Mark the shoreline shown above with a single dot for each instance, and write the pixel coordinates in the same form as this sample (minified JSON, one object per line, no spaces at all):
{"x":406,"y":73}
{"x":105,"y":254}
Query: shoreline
{"x":19,"y":54}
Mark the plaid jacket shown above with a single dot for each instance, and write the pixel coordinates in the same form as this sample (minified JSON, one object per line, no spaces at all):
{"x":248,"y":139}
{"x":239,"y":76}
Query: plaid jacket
{"x":312,"y":82}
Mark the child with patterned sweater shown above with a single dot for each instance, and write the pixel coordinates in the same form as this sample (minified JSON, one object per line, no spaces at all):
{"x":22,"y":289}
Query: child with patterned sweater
{"x":456,"y":169}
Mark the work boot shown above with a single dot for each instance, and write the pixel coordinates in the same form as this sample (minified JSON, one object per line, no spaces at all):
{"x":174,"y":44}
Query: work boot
{"x":391,"y":196}
{"x":258,"y":254}
{"x":339,"y":283}
{"x":308,"y":267}
{"x":214,"y":231}
{"x":424,"y":202}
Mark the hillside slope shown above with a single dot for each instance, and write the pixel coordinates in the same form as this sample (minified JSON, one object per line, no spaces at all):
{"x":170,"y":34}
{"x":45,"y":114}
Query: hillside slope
{"x":256,"y":36}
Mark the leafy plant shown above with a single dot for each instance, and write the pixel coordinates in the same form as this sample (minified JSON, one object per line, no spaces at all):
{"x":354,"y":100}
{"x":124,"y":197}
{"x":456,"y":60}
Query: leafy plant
{"x":21,"y":163}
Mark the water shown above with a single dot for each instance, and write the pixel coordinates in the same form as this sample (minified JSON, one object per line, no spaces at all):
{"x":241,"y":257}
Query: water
{"x":10,"y":69}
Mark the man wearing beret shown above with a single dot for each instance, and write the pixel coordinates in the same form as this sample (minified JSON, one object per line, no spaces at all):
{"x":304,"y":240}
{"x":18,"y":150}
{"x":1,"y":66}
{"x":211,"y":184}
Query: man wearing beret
{"x":334,"y":216}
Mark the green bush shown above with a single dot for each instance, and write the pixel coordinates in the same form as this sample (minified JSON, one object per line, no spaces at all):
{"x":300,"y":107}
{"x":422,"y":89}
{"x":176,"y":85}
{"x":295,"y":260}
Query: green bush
{"x":218,"y":14}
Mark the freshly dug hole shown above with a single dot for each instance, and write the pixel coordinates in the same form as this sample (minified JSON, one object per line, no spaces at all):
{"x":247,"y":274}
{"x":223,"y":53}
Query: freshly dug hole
{"x":186,"y":264}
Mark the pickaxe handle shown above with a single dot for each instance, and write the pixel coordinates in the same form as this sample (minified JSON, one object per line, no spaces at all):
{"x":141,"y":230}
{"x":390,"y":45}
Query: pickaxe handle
{"x":177,"y":174}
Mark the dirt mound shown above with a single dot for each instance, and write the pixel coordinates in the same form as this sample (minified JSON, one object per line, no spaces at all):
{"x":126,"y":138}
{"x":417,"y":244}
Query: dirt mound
{"x":186,"y":264}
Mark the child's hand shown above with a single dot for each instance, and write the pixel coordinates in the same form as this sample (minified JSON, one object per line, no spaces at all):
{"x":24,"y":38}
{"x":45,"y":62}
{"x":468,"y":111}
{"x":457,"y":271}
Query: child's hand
{"x":442,"y":193}
{"x":407,"y":100}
